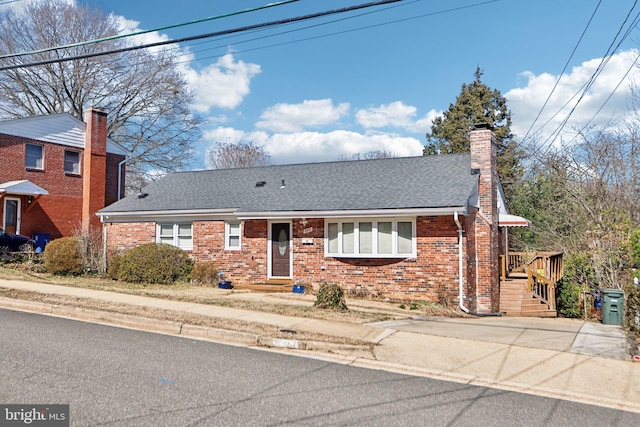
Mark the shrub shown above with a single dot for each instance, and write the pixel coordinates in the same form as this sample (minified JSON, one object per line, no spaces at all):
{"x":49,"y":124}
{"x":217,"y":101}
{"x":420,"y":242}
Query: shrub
{"x":578,"y":277}
{"x":204,"y":273}
{"x":155,"y":263}
{"x":64,"y":256}
{"x":113,"y":266}
{"x":331,"y":296}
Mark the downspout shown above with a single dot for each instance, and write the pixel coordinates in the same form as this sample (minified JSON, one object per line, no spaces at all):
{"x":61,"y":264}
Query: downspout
{"x":460,"y":264}
{"x":460,"y":277}
{"x":105,"y":236}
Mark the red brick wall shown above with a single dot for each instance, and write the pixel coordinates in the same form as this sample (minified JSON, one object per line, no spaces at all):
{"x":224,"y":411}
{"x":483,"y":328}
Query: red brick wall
{"x":60,"y":212}
{"x":485,"y":296}
{"x":432,"y":276}
{"x":122,"y":237}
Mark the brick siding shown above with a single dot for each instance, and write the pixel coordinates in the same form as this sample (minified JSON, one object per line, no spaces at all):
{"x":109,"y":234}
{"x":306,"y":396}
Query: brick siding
{"x":431,"y":276}
{"x":60,"y":212}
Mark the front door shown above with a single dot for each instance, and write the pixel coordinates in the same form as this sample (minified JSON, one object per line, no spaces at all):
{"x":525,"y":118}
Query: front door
{"x":12,"y":215}
{"x":280,"y":250}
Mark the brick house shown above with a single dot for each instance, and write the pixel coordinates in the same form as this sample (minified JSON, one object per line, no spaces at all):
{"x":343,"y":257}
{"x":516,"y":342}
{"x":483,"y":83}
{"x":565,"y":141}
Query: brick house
{"x":417,"y":228}
{"x":57,"y":171}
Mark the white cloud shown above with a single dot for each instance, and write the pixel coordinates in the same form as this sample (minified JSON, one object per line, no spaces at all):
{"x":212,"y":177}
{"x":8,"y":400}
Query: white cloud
{"x":395,"y":114}
{"x":221,"y":85}
{"x":525,"y":102}
{"x":297,"y":117}
{"x":307,"y":147}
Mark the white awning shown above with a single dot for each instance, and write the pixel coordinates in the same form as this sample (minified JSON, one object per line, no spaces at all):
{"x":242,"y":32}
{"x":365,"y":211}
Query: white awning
{"x":22,"y":188}
{"x":508,"y":220}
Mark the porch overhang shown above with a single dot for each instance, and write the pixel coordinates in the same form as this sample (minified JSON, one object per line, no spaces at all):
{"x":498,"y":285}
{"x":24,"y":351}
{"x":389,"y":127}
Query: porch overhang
{"x":508,"y":220}
{"x":22,"y":188}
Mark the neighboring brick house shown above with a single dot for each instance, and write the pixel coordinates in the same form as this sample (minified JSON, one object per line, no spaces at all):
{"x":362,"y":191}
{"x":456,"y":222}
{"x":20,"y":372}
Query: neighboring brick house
{"x":418,"y":228}
{"x":56,"y":172}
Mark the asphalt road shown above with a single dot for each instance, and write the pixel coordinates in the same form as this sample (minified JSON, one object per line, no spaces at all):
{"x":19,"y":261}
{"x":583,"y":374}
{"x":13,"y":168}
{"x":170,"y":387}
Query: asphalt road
{"x":112,"y":376}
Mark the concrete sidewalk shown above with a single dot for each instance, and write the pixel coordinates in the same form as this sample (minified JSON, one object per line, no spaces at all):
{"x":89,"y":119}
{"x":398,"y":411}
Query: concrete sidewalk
{"x":559,"y":358}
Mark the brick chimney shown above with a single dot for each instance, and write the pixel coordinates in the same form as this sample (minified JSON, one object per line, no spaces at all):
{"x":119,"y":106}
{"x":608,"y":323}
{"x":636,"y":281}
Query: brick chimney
{"x":94,"y":168}
{"x":485,"y":292}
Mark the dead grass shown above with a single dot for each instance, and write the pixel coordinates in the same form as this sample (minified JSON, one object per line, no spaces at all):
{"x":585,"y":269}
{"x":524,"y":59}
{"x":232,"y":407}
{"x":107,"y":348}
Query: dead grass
{"x":361,"y":310}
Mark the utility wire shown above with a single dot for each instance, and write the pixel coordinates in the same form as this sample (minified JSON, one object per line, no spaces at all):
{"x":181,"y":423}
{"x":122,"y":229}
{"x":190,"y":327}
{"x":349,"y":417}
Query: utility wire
{"x":168,"y":27}
{"x":566,"y":65}
{"x":585,"y":87}
{"x":207,"y":35}
{"x":338,"y":32}
{"x":318,"y":36}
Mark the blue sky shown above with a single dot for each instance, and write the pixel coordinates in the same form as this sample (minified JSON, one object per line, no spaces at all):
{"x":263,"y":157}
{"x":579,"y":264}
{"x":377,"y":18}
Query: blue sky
{"x":332,"y":87}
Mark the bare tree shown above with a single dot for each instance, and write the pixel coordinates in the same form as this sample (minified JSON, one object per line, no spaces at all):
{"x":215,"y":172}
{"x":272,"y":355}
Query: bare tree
{"x":241,"y":155}
{"x":143,"y":92}
{"x":584,"y":198}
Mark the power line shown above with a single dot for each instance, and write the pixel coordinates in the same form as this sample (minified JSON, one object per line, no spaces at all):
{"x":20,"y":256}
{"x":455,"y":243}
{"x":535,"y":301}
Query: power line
{"x":207,"y":35}
{"x":566,"y":65}
{"x":546,"y":145}
{"x":322,"y":35}
{"x":168,"y":27}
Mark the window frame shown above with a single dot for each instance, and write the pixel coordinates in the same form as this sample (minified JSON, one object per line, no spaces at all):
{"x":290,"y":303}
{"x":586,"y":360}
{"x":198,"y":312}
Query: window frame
{"x":79,"y":162}
{"x":176,"y":236}
{"x":374,"y":238}
{"x":26,"y":157}
{"x":228,"y":235}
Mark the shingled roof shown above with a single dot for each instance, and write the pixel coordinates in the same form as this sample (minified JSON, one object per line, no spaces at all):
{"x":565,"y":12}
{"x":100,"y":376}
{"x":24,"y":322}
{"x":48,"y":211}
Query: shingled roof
{"x":397,"y":183}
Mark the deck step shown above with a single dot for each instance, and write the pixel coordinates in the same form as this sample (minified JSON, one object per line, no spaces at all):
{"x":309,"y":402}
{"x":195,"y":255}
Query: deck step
{"x":271,"y":285}
{"x":517,"y":301}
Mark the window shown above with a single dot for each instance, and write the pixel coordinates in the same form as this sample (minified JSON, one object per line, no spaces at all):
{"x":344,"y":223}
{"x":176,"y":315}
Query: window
{"x":34,"y":156}
{"x":232,"y":235}
{"x":72,"y":162}
{"x":371,"y":239}
{"x":180,"y":235}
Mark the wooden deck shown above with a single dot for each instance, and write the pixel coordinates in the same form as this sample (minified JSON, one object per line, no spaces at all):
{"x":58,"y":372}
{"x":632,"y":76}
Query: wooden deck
{"x":517,"y":301}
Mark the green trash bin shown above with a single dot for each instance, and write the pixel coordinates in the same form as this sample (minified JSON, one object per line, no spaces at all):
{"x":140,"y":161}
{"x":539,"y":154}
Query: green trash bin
{"x":612,"y":300}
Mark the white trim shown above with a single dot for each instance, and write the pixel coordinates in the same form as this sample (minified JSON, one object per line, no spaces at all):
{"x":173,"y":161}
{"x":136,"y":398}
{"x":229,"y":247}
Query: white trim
{"x":175,"y":234}
{"x":282,"y":216}
{"x":227,"y":235}
{"x":373,"y":213}
{"x":18,"y":213}
{"x":374,"y":234}
{"x":269,"y":250}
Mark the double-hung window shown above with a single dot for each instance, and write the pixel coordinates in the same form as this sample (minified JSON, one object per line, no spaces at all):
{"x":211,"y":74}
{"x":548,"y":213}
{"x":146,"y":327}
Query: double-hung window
{"x":34,"y":156}
{"x":180,"y":235}
{"x":72,"y":162}
{"x":232,"y":235}
{"x":368,"y":238}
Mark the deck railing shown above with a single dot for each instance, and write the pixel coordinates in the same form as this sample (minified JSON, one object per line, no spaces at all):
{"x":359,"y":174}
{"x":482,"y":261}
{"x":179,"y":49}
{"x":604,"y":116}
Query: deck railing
{"x":544,"y":270}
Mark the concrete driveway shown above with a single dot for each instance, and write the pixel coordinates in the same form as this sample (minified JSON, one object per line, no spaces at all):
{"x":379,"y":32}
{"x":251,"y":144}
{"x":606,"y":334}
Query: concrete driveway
{"x":567,"y":335}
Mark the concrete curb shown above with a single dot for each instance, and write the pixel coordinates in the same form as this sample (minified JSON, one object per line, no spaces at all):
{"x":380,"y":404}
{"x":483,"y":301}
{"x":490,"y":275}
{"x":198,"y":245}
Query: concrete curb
{"x":223,"y":336}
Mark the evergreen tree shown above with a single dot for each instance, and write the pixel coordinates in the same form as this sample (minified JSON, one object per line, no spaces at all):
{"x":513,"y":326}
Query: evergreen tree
{"x":477,"y":103}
